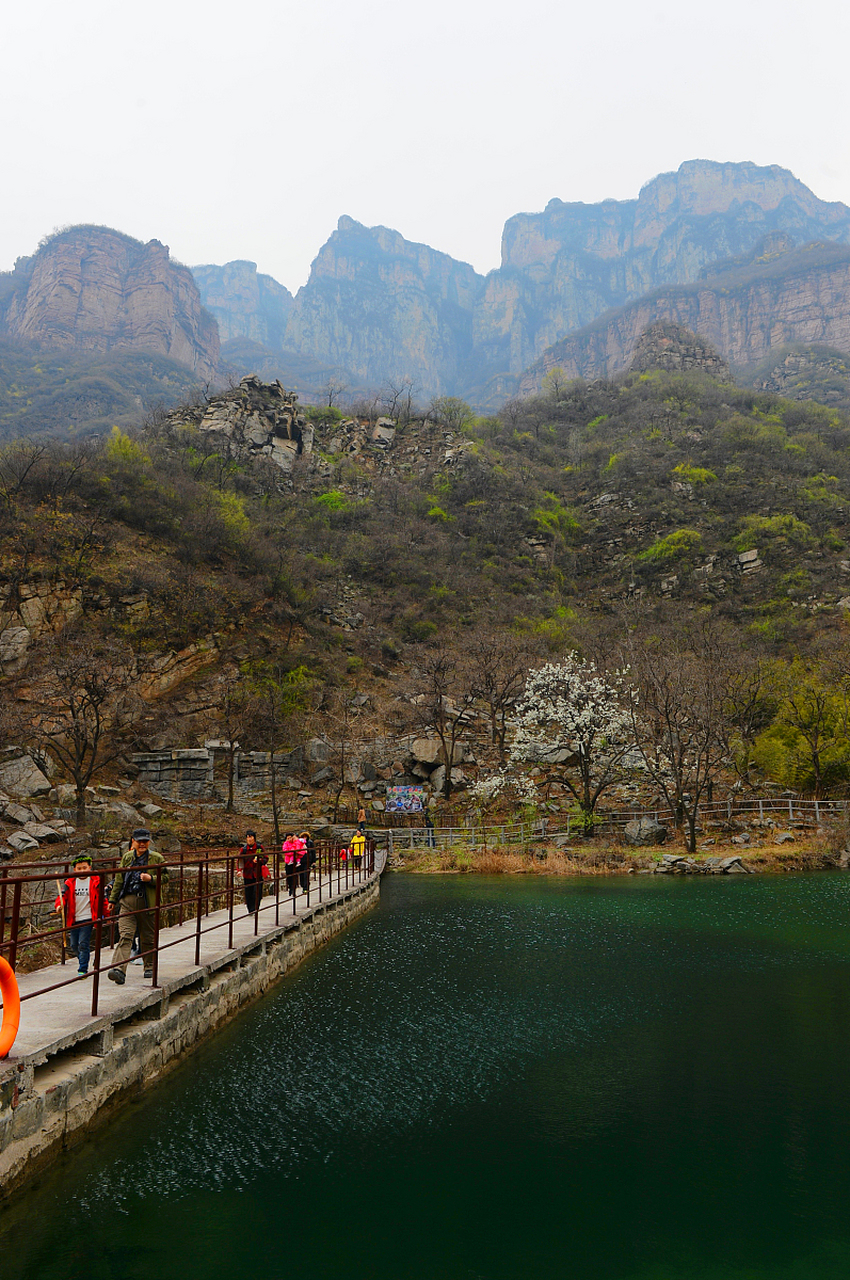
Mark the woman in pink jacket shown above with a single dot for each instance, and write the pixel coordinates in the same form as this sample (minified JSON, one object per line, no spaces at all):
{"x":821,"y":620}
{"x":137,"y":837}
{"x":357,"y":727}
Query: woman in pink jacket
{"x":293,"y":849}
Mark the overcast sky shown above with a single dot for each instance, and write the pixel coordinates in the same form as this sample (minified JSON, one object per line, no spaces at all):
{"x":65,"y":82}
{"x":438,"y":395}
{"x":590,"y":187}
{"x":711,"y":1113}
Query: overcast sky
{"x":245,"y":130}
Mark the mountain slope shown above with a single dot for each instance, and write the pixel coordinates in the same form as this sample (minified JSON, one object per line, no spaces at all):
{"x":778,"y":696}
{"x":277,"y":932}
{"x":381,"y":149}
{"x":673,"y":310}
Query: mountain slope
{"x":778,"y":299}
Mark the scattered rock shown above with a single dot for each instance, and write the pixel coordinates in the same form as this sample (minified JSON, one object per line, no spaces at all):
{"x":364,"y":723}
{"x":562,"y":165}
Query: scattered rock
{"x":42,"y":833}
{"x":784,"y":837}
{"x":645,"y":831}
{"x":22,"y":777}
{"x":21,"y":842}
{"x":733,"y":866}
{"x":123,"y":810}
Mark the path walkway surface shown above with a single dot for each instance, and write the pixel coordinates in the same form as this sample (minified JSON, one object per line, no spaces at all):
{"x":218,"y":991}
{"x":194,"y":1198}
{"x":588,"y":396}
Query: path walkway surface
{"x":53,"y":1021}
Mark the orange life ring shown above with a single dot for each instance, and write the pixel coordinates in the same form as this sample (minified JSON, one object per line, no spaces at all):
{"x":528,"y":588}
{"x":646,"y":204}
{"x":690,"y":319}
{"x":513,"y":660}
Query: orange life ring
{"x":11,"y":1007}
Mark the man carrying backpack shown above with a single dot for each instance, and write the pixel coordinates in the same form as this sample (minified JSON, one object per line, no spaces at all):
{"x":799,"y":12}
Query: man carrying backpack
{"x":134,"y":893}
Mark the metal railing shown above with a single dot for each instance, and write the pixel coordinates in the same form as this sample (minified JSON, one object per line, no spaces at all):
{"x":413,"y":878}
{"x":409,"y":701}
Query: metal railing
{"x":199,"y":884}
{"x":722,"y":812}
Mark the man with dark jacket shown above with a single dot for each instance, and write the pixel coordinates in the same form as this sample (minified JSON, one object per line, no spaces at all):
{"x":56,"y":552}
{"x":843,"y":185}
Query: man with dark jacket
{"x":134,"y":893}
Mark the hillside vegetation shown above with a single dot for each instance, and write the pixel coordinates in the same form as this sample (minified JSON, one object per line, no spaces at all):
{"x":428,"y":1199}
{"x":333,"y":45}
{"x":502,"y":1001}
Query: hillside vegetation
{"x":613,"y":518}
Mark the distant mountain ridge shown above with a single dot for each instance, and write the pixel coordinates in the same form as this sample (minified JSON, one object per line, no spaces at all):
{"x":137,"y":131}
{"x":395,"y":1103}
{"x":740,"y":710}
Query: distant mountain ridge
{"x":800,"y":297}
{"x":746,"y":256}
{"x":378,"y":307}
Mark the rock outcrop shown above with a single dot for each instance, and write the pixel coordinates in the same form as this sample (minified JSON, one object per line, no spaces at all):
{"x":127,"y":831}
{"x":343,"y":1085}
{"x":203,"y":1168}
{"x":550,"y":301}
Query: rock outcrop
{"x":805,"y":373}
{"x":676,"y":350}
{"x":799,"y":297}
{"x":91,"y":289}
{"x":254,"y":420}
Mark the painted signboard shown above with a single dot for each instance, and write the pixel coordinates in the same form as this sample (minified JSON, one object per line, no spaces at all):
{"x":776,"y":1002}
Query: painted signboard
{"x":405,"y":799}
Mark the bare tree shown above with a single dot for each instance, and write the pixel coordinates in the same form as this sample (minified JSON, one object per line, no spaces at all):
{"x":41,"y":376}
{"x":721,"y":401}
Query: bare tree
{"x":679,"y":701}
{"x":500,"y":663}
{"x":445,"y":693}
{"x":334,"y":389}
{"x":397,"y":398}
{"x":279,"y":700}
{"x":81,"y":704}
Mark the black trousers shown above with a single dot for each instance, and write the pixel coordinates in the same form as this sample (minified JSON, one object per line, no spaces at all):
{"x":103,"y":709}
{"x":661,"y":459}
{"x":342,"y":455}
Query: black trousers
{"x":253,"y":894}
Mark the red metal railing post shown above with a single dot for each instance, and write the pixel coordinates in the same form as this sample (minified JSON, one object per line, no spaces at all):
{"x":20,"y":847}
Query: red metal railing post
{"x":231,"y":895}
{"x":95,"y":986}
{"x":4,"y":883}
{"x":200,"y":903}
{"x":180,"y":891}
{"x":16,"y":922}
{"x":157,"y":902}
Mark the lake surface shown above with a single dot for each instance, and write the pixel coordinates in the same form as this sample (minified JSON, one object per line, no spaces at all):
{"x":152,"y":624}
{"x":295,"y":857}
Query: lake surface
{"x":494,"y":1078}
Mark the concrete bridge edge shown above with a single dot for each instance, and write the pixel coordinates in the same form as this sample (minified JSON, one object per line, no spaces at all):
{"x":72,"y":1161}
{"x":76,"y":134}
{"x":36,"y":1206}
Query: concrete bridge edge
{"x":54,"y":1106}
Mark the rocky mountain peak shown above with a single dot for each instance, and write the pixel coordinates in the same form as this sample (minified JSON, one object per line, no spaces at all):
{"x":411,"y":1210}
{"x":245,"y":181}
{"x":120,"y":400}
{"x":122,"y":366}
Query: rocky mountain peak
{"x":94,"y":289}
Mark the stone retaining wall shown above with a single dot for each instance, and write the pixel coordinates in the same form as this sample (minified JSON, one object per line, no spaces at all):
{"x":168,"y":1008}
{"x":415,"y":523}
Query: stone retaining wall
{"x":47,"y":1107}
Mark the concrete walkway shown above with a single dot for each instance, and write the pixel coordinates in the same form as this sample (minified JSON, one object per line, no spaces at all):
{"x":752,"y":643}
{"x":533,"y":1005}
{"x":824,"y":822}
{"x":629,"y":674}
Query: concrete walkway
{"x":55,"y":1021}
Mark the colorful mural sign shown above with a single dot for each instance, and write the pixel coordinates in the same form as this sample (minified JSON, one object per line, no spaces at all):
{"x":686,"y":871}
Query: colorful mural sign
{"x":405,"y":799}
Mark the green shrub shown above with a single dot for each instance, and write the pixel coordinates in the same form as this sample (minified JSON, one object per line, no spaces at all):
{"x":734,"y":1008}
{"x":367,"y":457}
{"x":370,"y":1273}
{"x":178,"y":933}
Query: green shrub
{"x":676,"y":546}
{"x":694,"y":475}
{"x":785,"y":530}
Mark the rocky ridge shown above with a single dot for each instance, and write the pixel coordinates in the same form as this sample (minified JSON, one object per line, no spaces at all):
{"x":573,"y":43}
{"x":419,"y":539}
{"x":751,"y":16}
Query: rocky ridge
{"x":379,"y":307}
{"x":801,"y":297}
{"x":91,"y":289}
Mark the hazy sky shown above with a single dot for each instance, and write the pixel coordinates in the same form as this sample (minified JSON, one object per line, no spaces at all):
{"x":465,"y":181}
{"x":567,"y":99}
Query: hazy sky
{"x":244,"y":130}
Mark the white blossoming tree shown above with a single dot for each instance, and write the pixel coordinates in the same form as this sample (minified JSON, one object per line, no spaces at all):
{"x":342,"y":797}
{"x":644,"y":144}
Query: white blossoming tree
{"x":575,"y":716}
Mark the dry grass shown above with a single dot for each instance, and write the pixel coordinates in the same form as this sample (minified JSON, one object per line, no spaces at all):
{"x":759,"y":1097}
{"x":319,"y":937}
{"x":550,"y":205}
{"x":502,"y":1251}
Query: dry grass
{"x":811,"y":852}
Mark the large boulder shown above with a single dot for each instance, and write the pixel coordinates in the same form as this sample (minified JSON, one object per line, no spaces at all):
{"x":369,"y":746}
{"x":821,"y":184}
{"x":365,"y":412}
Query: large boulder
{"x":438,"y":779}
{"x":21,"y":842}
{"x":426,"y":750}
{"x":43,"y":833}
{"x":14,"y":643}
{"x":22,"y":777}
{"x":645,"y":831}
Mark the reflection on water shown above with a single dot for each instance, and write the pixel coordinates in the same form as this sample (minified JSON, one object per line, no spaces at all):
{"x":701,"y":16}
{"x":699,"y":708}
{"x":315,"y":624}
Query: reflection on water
{"x":623,"y":1079}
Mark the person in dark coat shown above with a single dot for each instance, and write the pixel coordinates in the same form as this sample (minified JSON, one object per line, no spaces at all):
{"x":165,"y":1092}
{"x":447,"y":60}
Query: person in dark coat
{"x":253,"y":871}
{"x":134,"y":893}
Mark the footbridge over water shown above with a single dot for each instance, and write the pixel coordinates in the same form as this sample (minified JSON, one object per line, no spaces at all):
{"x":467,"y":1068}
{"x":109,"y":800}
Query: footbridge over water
{"x":87,"y":1045}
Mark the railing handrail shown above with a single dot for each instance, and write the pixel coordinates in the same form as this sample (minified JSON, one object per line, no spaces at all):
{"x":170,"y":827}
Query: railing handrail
{"x":206,"y":882}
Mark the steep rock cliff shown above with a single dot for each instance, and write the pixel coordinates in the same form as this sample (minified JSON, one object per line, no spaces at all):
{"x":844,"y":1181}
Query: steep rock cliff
{"x":91,"y":289}
{"x":384,"y":307}
{"x":563,"y":268}
{"x":801,"y":297}
{"x":246,"y":303}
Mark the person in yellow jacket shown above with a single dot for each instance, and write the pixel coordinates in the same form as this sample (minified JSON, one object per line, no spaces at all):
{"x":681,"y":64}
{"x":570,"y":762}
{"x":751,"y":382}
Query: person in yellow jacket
{"x":358,"y":848}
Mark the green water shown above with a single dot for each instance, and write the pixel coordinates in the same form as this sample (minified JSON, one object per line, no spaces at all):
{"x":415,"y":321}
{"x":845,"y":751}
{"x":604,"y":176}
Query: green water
{"x":487,"y":1079}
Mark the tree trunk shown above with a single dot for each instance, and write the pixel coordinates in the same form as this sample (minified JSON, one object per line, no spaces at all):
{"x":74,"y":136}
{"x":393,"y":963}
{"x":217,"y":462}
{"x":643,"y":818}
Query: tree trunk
{"x":275,"y":813}
{"x":81,"y":805}
{"x":231,"y":767}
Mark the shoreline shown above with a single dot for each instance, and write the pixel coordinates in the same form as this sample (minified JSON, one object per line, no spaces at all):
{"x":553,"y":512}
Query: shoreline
{"x":542,"y":860}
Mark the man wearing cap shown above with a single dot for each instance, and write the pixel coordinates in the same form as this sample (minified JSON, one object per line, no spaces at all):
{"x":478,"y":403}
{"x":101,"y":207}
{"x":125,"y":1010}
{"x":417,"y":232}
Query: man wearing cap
{"x":134,"y":893}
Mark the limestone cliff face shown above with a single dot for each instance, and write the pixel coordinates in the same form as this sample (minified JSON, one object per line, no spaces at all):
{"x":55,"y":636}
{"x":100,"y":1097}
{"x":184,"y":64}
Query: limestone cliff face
{"x":383,"y":307}
{"x":245,"y":303}
{"x":93,"y":289}
{"x":563,"y":268}
{"x":802,"y":297}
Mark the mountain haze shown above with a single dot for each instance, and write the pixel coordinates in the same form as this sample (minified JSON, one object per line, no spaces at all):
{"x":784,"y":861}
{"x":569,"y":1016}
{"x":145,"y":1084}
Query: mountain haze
{"x":377,"y":306}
